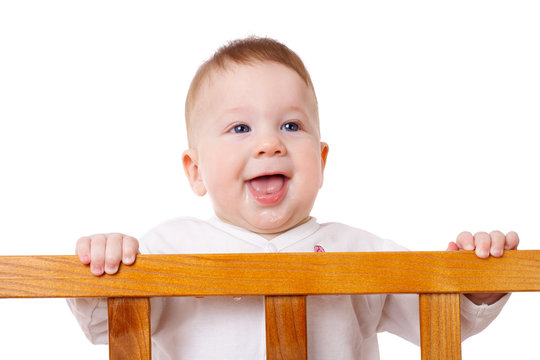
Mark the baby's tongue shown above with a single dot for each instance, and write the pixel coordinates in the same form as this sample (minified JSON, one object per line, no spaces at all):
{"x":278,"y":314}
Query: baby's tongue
{"x":268,"y":184}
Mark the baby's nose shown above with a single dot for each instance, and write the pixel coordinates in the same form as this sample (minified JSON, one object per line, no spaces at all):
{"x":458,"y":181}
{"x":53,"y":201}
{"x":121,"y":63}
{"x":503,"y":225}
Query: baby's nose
{"x":269,"y":146}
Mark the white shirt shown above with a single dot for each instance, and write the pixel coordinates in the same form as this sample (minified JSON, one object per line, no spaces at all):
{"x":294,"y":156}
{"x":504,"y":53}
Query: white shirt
{"x":339,"y":326}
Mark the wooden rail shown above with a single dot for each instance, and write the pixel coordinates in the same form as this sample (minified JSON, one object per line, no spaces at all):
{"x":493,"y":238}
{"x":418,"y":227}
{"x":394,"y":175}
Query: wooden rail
{"x":285,"y":279}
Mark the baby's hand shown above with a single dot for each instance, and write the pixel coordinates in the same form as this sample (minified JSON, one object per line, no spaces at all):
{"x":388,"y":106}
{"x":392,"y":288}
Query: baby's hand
{"x":104,"y":252}
{"x":485,"y":244}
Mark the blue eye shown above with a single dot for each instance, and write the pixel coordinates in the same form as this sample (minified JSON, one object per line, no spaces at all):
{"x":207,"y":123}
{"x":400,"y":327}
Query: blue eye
{"x":242,"y":128}
{"x":290,"y":126}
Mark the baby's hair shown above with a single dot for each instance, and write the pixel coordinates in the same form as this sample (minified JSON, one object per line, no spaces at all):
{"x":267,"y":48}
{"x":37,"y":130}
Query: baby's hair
{"x":244,"y":51}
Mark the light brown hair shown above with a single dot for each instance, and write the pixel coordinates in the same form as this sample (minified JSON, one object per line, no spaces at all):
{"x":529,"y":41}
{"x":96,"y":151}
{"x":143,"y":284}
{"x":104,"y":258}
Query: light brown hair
{"x":244,"y":51}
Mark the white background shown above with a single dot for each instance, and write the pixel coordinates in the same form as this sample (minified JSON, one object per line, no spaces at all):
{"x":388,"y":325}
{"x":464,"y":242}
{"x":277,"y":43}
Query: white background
{"x":430,"y":109}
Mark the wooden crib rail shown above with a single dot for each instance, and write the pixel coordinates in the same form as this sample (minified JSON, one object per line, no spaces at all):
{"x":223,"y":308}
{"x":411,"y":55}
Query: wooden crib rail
{"x":285,"y":279}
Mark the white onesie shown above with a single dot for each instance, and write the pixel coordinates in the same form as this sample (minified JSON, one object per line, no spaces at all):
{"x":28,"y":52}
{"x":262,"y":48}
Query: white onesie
{"x":339,"y":326}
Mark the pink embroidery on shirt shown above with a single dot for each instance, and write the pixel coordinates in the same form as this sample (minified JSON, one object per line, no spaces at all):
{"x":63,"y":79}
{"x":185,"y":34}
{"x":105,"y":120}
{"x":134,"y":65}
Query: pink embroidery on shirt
{"x":319,"y":248}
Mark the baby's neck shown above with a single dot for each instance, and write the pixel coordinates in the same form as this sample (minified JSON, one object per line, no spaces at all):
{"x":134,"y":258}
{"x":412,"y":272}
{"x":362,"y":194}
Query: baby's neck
{"x":269,"y":236}
{"x":273,"y":235}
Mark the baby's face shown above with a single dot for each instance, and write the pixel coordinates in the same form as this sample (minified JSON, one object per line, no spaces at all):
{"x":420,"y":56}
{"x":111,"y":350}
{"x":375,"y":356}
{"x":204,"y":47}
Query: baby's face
{"x":256,"y":147}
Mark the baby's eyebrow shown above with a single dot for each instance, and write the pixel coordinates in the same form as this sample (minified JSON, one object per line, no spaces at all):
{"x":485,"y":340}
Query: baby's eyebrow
{"x":237,"y":110}
{"x":296,"y":108}
{"x":290,"y":111}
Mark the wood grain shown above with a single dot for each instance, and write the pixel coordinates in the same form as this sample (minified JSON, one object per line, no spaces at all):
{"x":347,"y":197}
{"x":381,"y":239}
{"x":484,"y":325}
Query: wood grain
{"x":286,"y":333}
{"x":273,"y":274}
{"x":285,"y":278}
{"x":129,"y":329}
{"x":440,"y":327}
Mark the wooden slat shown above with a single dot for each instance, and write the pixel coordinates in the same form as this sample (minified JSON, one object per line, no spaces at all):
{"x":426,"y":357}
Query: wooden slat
{"x":129,"y":329}
{"x":274,"y":274}
{"x":286,"y":335}
{"x":440,"y":327}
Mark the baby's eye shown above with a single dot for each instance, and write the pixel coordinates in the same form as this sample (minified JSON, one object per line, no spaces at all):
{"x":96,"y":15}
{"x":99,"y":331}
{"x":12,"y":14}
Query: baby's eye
{"x":290,"y":126}
{"x":241,"y":128}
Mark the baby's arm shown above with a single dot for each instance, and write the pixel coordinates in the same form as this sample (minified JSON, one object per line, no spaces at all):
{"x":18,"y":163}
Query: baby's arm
{"x":484,"y":245}
{"x":105,"y":252}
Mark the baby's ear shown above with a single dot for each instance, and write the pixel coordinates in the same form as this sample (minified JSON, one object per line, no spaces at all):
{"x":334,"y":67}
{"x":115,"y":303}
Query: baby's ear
{"x":324,"y":153}
{"x":191,"y":168}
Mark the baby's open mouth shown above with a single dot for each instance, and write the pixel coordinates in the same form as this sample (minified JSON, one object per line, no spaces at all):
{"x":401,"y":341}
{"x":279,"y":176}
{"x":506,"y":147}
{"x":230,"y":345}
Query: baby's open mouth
{"x":268,"y":189}
{"x":267,"y":184}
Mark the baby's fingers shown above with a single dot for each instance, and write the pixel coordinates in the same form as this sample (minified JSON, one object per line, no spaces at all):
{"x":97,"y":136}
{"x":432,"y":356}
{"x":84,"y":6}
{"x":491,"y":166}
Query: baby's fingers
{"x":83,"y":249}
{"x":482,"y":243}
{"x":91,"y":250}
{"x":512,"y":241}
{"x":113,"y":253}
{"x":497,"y":243}
{"x":119,"y":248}
{"x":485,"y":244}
{"x":452,"y":246}
{"x":130,"y":247}
{"x":97,"y":254}
{"x":465,"y":241}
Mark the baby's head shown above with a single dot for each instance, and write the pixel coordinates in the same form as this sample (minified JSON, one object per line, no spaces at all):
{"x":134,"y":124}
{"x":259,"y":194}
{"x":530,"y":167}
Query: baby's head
{"x":253,"y":131}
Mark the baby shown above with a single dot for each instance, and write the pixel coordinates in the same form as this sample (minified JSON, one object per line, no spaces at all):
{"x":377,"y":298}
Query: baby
{"x":254,"y":147}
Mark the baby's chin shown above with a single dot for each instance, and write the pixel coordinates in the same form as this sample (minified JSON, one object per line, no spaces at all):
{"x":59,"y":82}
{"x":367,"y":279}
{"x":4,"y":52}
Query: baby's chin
{"x":270,"y":230}
{"x":268,"y":225}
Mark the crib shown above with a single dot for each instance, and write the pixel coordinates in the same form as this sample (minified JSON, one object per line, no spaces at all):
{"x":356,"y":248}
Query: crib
{"x":284,"y":279}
